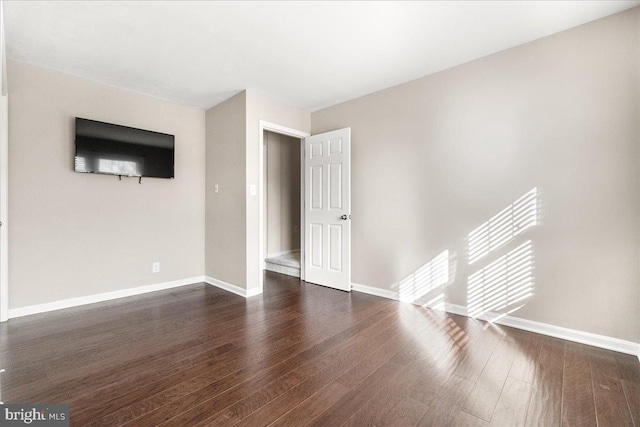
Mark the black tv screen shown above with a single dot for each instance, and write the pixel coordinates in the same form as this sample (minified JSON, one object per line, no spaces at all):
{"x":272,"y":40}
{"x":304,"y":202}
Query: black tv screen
{"x":119,"y":150}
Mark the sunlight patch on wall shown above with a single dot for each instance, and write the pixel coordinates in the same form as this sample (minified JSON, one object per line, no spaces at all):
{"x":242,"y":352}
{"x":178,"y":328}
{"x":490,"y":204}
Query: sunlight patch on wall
{"x":503,"y":283}
{"x":503,"y":227}
{"x":425,"y":279}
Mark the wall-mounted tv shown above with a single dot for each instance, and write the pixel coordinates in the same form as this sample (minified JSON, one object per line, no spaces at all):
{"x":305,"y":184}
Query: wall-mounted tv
{"x":119,"y":150}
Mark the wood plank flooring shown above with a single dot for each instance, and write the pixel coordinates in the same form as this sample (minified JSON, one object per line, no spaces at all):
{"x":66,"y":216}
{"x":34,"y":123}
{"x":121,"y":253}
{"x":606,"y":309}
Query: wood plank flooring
{"x":305,"y":355}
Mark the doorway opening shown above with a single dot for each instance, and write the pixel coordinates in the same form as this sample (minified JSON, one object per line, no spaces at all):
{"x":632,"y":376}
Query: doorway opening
{"x":323,"y":225}
{"x":281,"y":131}
{"x":282,"y":221}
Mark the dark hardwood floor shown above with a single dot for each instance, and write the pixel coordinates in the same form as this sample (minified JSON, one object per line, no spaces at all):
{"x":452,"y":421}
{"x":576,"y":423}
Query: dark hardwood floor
{"x":305,"y":355}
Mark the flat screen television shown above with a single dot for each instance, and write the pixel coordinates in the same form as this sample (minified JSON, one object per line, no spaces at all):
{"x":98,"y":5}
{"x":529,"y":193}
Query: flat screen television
{"x":119,"y":150}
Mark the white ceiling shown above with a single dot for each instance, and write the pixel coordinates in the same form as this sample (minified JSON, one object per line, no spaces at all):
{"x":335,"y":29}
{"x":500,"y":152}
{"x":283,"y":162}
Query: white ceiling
{"x":306,"y":54}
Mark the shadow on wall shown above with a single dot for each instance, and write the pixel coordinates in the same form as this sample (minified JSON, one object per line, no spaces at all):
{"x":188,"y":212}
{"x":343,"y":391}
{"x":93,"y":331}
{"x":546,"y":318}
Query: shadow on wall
{"x":500,"y":284}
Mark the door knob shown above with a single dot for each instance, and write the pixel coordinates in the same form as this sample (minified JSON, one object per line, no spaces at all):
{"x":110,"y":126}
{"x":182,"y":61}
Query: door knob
{"x":344,"y":217}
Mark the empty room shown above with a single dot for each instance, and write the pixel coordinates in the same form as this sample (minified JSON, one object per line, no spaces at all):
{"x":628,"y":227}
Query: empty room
{"x":291,"y":213}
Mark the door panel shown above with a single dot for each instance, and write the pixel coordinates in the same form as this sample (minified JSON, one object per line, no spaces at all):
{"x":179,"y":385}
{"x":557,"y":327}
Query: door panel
{"x":316,"y":245}
{"x":316,"y":187}
{"x":335,"y":247}
{"x":335,"y":186}
{"x":327,"y":172}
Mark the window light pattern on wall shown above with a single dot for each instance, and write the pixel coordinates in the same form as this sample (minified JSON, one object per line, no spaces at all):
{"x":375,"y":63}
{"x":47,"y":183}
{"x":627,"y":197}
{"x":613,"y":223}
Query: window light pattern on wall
{"x":506,"y":281}
{"x":426,"y":278}
{"x":511,"y":221}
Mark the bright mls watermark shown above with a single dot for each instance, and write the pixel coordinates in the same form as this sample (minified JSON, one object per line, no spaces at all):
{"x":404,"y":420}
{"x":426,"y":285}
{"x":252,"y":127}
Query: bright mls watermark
{"x":34,"y":415}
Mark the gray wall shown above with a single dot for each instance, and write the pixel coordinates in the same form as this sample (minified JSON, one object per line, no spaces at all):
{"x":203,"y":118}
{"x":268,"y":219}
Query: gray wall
{"x":435,"y":158}
{"x":282,"y":172}
{"x":74,"y":235}
{"x":225,"y":211}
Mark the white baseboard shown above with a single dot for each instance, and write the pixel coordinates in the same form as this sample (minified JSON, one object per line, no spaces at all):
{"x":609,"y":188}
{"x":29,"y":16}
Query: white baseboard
{"x":282,"y":269}
{"x":595,"y":340}
{"x":253,"y":292}
{"x":384,"y":293}
{"x":292,"y":251}
{"x":246,"y":293}
{"x":459,"y":310}
{"x":91,"y":299}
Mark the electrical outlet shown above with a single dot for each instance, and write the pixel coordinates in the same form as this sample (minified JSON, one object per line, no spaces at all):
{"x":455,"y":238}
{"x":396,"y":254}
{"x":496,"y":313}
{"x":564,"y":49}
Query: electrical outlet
{"x":155,"y":267}
{"x":215,"y":188}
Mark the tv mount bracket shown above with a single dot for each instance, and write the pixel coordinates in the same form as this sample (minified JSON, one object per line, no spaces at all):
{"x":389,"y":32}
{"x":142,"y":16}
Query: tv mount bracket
{"x":139,"y":179}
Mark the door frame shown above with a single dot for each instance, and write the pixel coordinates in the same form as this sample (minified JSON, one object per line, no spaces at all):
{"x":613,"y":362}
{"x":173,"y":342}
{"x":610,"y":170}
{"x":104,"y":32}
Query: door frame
{"x":282,"y":130}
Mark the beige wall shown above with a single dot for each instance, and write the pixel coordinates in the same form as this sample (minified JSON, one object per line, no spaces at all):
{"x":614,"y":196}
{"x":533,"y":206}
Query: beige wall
{"x":282,"y":201}
{"x":74,"y":234}
{"x":260,"y":108}
{"x":233,"y":160}
{"x":225,"y":211}
{"x":435,"y":158}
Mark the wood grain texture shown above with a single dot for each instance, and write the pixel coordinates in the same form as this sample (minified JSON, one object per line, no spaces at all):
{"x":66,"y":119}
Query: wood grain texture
{"x":310,"y":408}
{"x":341,"y":411}
{"x":512,"y":406}
{"x":578,"y":408}
{"x":447,"y":405}
{"x":488,"y":388}
{"x":383,"y":407}
{"x":611,"y":404}
{"x":407,"y":413}
{"x":545,"y":404}
{"x":301,"y":355}
{"x":628,"y":367}
{"x":632,"y":394}
{"x":528,"y":347}
{"x":467,"y":420}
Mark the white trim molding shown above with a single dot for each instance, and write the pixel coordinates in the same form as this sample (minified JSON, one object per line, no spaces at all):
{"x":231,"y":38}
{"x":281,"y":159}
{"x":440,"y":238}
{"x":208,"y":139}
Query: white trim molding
{"x":234,"y":289}
{"x":253,"y":292}
{"x":371,"y":290}
{"x":275,"y":254}
{"x":107,"y":296}
{"x":595,"y":340}
{"x":272,"y":127}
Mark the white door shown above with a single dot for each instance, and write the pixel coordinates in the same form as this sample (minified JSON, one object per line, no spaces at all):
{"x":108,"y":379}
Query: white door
{"x":327,"y":209}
